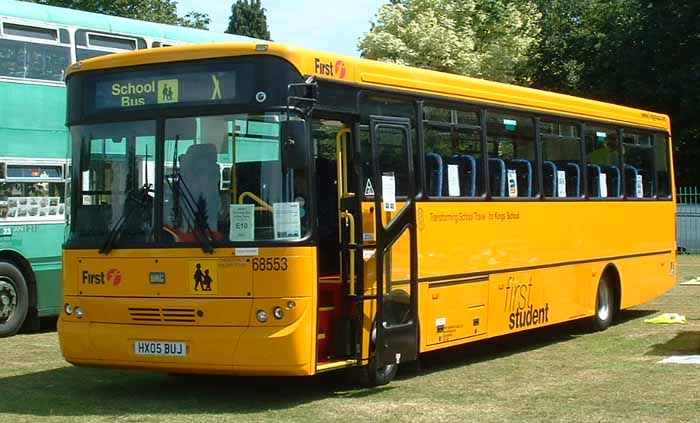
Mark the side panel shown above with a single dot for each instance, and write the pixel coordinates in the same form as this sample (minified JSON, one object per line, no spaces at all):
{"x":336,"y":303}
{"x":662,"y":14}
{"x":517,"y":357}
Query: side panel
{"x":32,"y":121}
{"x":540,"y":263}
{"x":40,"y":244}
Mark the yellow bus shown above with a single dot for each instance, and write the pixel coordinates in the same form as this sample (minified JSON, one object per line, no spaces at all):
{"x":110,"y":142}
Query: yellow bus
{"x":261,"y":209}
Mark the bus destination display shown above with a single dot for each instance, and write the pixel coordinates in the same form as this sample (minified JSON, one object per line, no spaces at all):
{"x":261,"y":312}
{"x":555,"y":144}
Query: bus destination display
{"x":118,"y":92}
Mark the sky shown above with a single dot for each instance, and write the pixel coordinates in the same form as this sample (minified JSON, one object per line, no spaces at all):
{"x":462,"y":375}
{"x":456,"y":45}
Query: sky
{"x":329,"y":25}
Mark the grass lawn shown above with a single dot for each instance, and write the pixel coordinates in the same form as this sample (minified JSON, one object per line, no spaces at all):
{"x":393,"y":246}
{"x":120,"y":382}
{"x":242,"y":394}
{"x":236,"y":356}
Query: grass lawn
{"x":552,"y":374}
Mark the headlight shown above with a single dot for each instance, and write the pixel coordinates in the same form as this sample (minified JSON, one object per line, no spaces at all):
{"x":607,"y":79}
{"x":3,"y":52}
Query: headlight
{"x":279,"y":313}
{"x":262,"y":316}
{"x":79,"y":312}
{"x":291,"y":304}
{"x":68,"y":309}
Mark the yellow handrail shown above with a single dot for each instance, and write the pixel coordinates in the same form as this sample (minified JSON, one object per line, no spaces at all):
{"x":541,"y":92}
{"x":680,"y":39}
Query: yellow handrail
{"x":341,"y":157}
{"x":351,"y":271}
{"x":263,"y":204}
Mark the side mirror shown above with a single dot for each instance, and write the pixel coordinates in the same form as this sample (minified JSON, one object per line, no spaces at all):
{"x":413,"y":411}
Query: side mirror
{"x":294,"y":145}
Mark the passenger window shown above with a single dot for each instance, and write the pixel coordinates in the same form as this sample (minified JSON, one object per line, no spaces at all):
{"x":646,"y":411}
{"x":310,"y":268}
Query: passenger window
{"x":603,"y":165}
{"x":392,"y":154}
{"x":30,"y":52}
{"x":662,"y":166}
{"x":562,"y":167}
{"x":511,"y":156}
{"x":639,"y":164}
{"x":452,"y":153}
{"x":90,"y":44}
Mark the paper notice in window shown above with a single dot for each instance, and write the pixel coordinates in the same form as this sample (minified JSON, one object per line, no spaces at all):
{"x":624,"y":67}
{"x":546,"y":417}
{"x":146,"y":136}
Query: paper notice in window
{"x":286,"y":220}
{"x":389,"y":192}
{"x":640,"y":186}
{"x":561,"y":183}
{"x":453,"y":180}
{"x":512,"y":183}
{"x":603,"y":184}
{"x":242,"y":226}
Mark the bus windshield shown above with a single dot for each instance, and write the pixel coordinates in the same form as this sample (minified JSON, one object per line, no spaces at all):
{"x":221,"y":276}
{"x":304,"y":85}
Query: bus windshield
{"x":222,"y":179}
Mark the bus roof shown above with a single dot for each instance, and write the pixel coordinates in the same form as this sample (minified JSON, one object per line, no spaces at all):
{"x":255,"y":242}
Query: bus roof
{"x":371,"y":73}
{"x":96,"y":21}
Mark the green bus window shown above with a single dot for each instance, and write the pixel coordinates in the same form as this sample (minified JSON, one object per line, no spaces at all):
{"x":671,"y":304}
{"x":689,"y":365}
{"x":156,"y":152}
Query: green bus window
{"x":639,"y":164}
{"x":30,"y":31}
{"x":452,"y":140}
{"x":603,"y":172}
{"x":27,"y":60}
{"x":662,"y":165}
{"x":562,"y":166}
{"x":511,"y":158}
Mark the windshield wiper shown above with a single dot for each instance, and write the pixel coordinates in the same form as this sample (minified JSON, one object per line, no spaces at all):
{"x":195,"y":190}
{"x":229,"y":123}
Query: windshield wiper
{"x":198,"y":221}
{"x":202,"y":232}
{"x":135,"y":200}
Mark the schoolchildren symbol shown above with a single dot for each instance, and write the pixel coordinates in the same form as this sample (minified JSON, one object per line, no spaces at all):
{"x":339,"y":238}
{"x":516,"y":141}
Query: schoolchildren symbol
{"x":203,"y":277}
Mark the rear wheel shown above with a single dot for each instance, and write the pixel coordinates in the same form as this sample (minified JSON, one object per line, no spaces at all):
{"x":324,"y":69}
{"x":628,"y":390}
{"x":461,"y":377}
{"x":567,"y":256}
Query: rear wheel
{"x":604,"y":305}
{"x":14,"y":299}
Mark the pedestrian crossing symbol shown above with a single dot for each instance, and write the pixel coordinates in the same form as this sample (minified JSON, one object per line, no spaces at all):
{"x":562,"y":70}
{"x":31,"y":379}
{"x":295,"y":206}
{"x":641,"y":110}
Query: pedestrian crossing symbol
{"x":203,"y":277}
{"x":369,"y":190}
{"x":168,"y":91}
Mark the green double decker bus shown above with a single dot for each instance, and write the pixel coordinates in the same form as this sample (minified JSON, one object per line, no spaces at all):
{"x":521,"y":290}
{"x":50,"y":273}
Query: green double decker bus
{"x":37,"y":44}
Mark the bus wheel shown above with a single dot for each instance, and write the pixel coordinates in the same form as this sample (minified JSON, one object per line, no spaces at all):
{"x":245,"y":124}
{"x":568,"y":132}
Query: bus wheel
{"x":14,"y":299}
{"x":604,"y":305}
{"x":379,"y":375}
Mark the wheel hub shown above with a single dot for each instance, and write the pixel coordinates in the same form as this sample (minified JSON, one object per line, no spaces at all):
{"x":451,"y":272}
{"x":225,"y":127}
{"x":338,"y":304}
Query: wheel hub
{"x":8,"y":300}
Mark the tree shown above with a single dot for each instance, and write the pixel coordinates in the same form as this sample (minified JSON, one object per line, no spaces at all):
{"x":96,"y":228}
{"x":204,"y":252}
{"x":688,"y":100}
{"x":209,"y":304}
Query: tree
{"x":248,"y":19}
{"x":640,"y":53}
{"x":195,"y":20}
{"x":159,"y":11}
{"x":488,"y":39}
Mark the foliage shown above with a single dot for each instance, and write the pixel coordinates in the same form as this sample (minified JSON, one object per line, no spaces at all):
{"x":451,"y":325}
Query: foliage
{"x":195,"y":20}
{"x":159,"y":11}
{"x":487,"y":39}
{"x":248,"y":19}
{"x":640,"y":53}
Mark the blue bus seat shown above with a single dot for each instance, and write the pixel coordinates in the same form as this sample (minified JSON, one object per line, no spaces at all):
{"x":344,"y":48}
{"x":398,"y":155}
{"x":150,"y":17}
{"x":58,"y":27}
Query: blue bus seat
{"x":467,"y":174}
{"x":631,"y":181}
{"x":549,"y":176}
{"x":613,"y":179}
{"x":434,"y":174}
{"x":573,"y":177}
{"x":497,"y":177}
{"x":523,"y":169}
{"x":593,"y":180}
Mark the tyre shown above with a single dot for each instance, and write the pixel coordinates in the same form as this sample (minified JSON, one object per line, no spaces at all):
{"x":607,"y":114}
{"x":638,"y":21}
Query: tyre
{"x":604,"y":305}
{"x":376,"y":375}
{"x":14,"y":299}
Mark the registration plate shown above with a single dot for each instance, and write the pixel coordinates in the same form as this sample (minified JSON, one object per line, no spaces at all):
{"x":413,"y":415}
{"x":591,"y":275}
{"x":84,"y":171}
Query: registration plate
{"x":161,"y":348}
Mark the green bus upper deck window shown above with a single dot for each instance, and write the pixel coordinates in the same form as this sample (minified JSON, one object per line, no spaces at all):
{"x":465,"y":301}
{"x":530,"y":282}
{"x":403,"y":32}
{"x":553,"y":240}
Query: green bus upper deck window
{"x":27,"y":60}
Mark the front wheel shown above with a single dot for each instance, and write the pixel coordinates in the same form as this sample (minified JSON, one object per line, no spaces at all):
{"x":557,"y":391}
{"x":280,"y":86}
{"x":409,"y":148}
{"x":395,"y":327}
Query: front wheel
{"x":377,"y":375}
{"x":14,"y":299}
{"x":604,"y":305}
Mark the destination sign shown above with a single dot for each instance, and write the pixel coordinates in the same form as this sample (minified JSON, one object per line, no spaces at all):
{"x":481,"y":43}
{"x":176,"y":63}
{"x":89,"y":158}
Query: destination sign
{"x":136,"y":90}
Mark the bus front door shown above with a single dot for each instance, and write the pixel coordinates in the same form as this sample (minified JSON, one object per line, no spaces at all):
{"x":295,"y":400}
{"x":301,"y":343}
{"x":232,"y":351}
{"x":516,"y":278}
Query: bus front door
{"x":395,"y":339}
